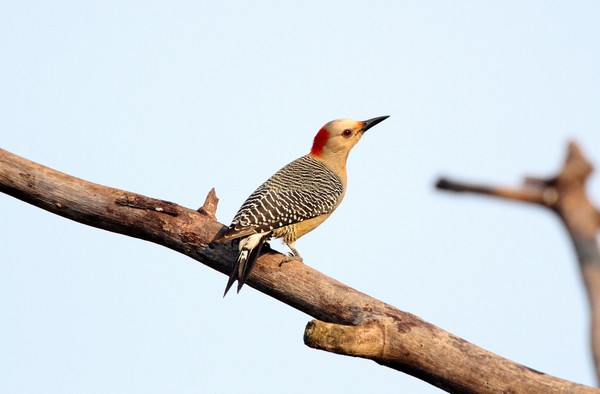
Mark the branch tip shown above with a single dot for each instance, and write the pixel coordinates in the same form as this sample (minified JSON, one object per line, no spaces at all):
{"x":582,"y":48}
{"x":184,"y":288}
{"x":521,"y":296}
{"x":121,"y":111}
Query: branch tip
{"x":209,"y":208}
{"x":365,"y":340}
{"x":576,"y":165}
{"x":326,"y":336}
{"x":446,"y":184}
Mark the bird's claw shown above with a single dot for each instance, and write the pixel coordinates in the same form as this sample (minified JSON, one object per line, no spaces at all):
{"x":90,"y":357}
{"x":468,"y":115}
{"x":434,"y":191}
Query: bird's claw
{"x":290,"y":257}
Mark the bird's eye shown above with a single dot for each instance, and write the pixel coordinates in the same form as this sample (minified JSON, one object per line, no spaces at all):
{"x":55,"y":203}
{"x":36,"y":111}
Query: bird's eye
{"x":347,"y":133}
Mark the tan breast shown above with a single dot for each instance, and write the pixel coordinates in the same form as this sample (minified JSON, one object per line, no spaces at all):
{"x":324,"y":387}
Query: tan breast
{"x":294,"y":231}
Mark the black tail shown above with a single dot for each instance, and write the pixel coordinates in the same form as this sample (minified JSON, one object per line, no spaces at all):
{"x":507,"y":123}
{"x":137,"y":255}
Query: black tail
{"x":249,"y":250}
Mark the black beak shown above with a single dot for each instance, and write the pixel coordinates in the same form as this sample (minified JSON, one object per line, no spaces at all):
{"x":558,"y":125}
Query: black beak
{"x":367,"y":124}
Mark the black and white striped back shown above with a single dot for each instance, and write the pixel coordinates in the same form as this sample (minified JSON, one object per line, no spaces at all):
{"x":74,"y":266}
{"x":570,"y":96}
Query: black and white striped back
{"x":303,"y":189}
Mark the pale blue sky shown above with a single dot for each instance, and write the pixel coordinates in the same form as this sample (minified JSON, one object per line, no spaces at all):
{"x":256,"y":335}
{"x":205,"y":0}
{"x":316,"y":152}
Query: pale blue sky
{"x":170,"y":99}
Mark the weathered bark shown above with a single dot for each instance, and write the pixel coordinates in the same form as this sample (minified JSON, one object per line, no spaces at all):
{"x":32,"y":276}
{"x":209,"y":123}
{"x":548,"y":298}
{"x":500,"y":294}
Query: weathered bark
{"x":565,"y":195}
{"x":352,"y":323}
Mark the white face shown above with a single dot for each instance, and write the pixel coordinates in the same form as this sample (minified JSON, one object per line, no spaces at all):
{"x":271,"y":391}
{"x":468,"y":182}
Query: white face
{"x":343,"y":135}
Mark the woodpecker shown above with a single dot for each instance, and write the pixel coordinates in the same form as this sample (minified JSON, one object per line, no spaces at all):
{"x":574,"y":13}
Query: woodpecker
{"x":297,"y":198}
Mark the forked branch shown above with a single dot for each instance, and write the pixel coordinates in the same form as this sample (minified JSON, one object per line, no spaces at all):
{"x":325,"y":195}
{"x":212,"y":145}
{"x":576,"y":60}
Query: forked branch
{"x":565,"y":195}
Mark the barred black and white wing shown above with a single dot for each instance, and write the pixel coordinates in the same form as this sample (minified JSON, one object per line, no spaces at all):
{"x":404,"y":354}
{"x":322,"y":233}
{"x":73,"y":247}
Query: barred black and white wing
{"x":303,"y":189}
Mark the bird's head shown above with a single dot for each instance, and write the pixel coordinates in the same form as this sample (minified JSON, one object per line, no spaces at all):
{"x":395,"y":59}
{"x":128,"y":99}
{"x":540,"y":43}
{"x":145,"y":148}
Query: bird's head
{"x":337,"y":137}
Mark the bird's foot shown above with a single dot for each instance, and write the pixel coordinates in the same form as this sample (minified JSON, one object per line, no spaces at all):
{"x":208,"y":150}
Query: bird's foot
{"x":290,"y":257}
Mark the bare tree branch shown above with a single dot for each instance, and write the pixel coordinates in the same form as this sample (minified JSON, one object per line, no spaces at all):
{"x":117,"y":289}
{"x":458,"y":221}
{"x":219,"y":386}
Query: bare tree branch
{"x":352,"y":323}
{"x":525,"y":195}
{"x":565,"y":195}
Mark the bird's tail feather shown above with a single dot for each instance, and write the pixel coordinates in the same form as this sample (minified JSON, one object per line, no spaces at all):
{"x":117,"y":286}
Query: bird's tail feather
{"x":249,"y":250}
